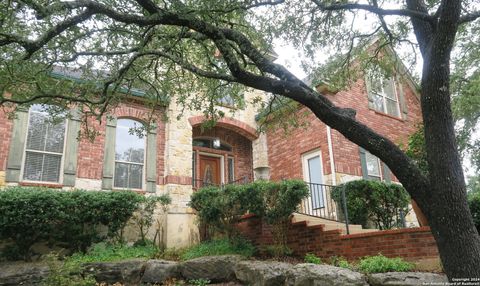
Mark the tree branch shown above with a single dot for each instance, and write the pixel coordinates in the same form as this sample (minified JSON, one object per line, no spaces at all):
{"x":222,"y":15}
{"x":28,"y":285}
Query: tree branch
{"x":376,"y":10}
{"x":469,"y":17}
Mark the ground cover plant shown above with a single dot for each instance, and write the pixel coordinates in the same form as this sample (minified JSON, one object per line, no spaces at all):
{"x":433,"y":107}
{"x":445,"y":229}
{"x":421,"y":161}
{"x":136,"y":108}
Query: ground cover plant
{"x":380,"y":263}
{"x":223,"y":246}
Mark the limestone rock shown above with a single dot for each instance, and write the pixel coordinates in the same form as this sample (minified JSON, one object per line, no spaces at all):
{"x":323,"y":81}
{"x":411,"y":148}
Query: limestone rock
{"x":22,"y":274}
{"x":214,"y":268}
{"x":128,"y":272}
{"x":406,"y":278}
{"x":157,"y":271}
{"x":262,"y":273}
{"x":323,"y":275}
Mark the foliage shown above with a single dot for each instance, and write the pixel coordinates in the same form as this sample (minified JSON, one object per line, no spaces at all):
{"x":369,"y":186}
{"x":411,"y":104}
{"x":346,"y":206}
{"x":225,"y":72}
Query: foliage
{"x":275,"y":202}
{"x":143,"y":216}
{"x":312,"y":258}
{"x":71,"y":219}
{"x":103,"y":252}
{"x":474,"y":205}
{"x":340,"y":262}
{"x":66,"y":274}
{"x":374,"y":201}
{"x":220,"y":247}
{"x":416,"y":149}
{"x":380,"y":264}
{"x":199,"y":282}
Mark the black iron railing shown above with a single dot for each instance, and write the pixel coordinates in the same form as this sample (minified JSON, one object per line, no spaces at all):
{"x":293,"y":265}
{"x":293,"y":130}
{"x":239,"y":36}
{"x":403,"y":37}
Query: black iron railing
{"x":320,"y":203}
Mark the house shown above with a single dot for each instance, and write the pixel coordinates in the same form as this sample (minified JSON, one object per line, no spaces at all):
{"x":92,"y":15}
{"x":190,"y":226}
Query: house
{"x":178,"y":156}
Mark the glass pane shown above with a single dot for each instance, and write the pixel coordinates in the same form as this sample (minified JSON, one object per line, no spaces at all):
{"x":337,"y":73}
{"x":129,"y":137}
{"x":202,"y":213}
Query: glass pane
{"x":42,"y":167}
{"x":392,"y":107}
{"x":373,"y":167}
{"x":231,"y":177}
{"x":37,"y":131}
{"x":315,"y":170}
{"x":316,"y":193}
{"x":378,"y":102}
{"x":54,"y":137}
{"x":389,"y":89}
{"x":375,"y":84}
{"x":33,"y":166}
{"x":121,"y":176}
{"x":135,"y":176}
{"x":51,"y":168}
{"x":129,"y":144}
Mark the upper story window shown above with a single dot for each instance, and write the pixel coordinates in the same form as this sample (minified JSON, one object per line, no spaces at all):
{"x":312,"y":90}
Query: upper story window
{"x":382,"y":94}
{"x":44,"y":149}
{"x":130,"y":146}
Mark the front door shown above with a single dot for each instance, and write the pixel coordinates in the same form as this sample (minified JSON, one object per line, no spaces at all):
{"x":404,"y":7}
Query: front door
{"x":210,"y":170}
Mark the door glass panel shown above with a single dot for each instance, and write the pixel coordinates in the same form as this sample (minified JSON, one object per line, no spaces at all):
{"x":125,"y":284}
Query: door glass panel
{"x":315,"y":176}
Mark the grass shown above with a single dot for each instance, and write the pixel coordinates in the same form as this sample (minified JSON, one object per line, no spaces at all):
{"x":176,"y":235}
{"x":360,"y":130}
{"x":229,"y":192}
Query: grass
{"x":219,"y":247}
{"x":107,"y":253}
{"x":380,"y":264}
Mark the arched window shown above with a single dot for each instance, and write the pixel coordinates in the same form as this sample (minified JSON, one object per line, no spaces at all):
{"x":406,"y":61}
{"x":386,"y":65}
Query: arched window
{"x":129,"y":154}
{"x":45,"y":145}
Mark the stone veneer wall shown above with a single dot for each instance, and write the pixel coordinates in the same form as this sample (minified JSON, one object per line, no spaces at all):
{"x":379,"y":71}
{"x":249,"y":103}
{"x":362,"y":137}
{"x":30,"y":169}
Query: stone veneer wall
{"x":409,"y":243}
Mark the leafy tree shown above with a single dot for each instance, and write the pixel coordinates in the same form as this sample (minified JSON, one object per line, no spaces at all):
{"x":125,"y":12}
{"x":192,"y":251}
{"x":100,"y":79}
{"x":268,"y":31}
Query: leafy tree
{"x":174,"y":47}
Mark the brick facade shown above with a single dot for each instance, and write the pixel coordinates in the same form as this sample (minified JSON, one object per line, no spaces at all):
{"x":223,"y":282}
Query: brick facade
{"x":285,"y":151}
{"x":409,"y":243}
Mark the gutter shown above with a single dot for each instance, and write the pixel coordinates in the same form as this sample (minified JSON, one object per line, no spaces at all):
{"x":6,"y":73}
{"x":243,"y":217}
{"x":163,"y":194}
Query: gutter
{"x":330,"y":154}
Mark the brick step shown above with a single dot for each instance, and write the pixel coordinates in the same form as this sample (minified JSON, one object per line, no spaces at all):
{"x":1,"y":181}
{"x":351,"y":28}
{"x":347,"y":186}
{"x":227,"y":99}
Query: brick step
{"x":330,"y":224}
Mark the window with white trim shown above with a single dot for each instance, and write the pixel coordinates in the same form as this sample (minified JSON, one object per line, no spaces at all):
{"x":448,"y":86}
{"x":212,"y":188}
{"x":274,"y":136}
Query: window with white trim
{"x":44,"y":149}
{"x":383,"y":94}
{"x":373,"y":167}
{"x":130,"y":142}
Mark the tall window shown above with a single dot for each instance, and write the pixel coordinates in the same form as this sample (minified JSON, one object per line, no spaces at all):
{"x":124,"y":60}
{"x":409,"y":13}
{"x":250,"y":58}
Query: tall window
{"x":129,"y":154}
{"x":382,"y":94}
{"x":44,"y":147}
{"x":373,"y":167}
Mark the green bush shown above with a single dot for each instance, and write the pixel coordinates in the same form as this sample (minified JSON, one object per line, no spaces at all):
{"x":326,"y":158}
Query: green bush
{"x":72,"y":219}
{"x":474,"y":205}
{"x":219,"y":247}
{"x":312,"y":258}
{"x":380,"y":263}
{"x":374,"y":201}
{"x":275,"y":202}
{"x":340,"y":262}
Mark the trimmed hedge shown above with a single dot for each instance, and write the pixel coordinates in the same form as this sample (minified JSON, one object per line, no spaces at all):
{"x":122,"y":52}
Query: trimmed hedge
{"x":373,"y":201}
{"x":71,"y":219}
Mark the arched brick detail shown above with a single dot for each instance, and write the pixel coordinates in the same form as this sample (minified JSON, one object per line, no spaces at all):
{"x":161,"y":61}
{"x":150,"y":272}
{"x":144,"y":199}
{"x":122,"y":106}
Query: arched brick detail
{"x":229,"y":123}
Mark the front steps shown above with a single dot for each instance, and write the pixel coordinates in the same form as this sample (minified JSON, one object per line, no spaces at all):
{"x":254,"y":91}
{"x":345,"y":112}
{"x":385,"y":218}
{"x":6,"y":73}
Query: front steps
{"x":329,"y":224}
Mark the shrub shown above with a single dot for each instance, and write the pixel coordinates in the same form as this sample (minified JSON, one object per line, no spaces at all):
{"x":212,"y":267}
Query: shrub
{"x":103,"y":252}
{"x":374,"y":201}
{"x":312,"y":258}
{"x":219,"y":247}
{"x":380,"y":263}
{"x":273,"y":201}
{"x":340,"y":262}
{"x":70,"y":219}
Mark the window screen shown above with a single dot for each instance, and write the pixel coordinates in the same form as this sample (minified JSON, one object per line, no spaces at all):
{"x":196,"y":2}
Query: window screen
{"x":44,"y":148}
{"x":129,"y":154}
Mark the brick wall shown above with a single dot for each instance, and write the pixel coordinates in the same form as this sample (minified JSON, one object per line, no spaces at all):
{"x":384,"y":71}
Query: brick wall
{"x":241,"y":149}
{"x":285,"y":151}
{"x":5,"y":134}
{"x":409,"y":243}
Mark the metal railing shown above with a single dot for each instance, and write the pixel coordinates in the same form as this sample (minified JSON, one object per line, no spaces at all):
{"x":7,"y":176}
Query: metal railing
{"x":320,"y":203}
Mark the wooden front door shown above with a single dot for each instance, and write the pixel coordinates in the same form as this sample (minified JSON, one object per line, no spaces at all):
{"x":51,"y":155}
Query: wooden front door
{"x":210,"y":171}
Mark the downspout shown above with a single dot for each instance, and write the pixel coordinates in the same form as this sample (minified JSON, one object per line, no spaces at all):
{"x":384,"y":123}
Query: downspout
{"x":330,"y":154}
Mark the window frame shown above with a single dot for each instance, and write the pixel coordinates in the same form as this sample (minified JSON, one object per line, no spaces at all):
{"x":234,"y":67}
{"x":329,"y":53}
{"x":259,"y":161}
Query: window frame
{"x":383,"y":95}
{"x":232,"y":159}
{"x":144,"y":178}
{"x":24,"y":157}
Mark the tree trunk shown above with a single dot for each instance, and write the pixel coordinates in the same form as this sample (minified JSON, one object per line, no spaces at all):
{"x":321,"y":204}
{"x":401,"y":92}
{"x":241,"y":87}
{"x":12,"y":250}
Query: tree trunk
{"x":446,"y":206}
